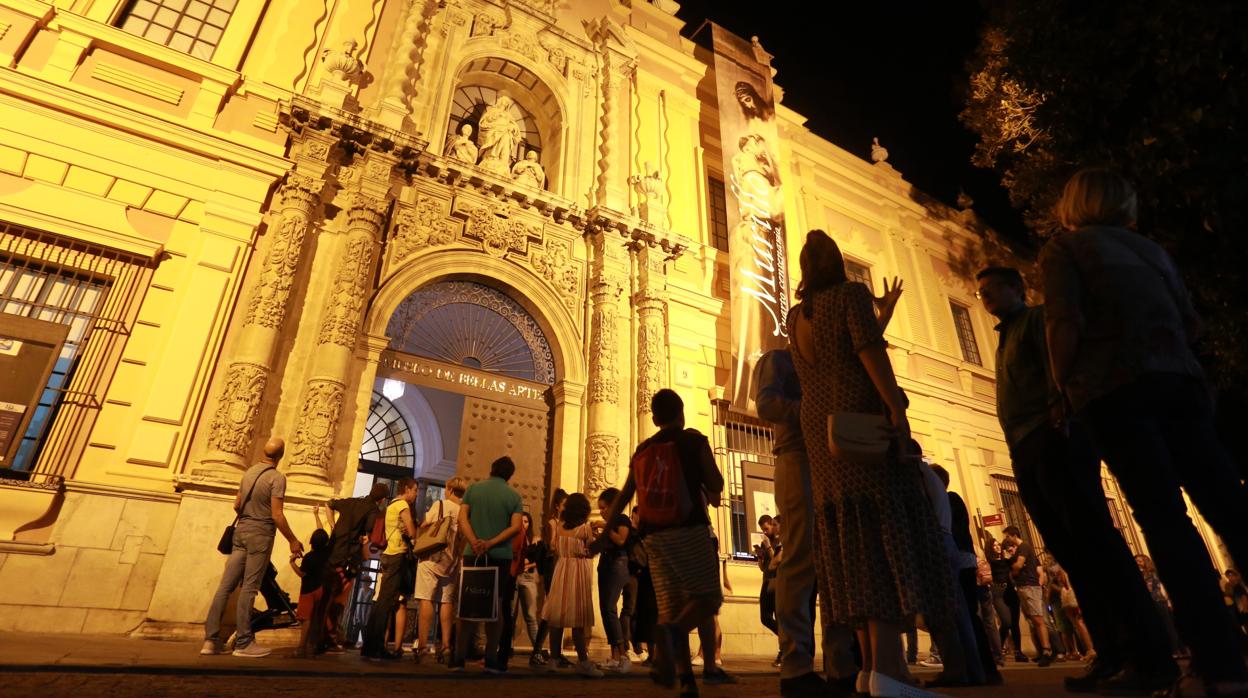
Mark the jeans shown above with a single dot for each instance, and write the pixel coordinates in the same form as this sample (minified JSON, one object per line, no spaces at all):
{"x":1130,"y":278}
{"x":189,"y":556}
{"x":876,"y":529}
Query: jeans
{"x":988,"y":618}
{"x":383,"y":607}
{"x":1059,"y":480}
{"x":1157,"y":436}
{"x":612,"y":578}
{"x":767,"y":606}
{"x":795,"y":580}
{"x":526,"y":600}
{"x":246,"y":565}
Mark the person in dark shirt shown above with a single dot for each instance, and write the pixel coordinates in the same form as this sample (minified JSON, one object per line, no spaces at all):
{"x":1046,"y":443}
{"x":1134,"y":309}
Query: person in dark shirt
{"x":1120,"y":326}
{"x":312,"y":570}
{"x":1025,"y":569}
{"x":351,"y":521}
{"x":684,"y":567}
{"x":1059,"y":480}
{"x":613,"y":578}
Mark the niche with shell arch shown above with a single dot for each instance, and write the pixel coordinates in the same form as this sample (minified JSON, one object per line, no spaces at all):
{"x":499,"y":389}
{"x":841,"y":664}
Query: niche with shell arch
{"x":481,"y":81}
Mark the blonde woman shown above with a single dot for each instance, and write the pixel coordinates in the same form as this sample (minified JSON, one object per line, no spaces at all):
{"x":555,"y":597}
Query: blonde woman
{"x":1120,"y":325}
{"x":437,"y":578}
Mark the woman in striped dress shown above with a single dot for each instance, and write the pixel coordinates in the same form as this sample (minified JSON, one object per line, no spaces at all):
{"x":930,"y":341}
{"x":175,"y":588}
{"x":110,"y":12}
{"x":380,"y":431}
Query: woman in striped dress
{"x":570,"y":604}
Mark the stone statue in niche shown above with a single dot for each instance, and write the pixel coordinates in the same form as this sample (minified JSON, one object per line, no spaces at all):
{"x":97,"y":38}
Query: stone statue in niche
{"x":529,"y":172}
{"x":343,"y":65}
{"x":461,"y":147}
{"x":499,"y":135}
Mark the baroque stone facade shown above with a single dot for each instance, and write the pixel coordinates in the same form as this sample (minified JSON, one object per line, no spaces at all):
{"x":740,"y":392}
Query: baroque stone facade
{"x":281,"y":208}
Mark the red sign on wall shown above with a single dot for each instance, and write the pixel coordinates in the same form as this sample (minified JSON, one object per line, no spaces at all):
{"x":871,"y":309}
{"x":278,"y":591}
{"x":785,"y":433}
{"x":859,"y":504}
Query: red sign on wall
{"x":993,"y":520}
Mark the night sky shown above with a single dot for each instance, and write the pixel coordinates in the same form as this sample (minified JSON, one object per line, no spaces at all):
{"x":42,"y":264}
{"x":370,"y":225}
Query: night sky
{"x":895,"y":70}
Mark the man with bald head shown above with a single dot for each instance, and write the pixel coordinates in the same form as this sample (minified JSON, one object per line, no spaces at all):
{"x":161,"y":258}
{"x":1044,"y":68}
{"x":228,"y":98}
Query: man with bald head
{"x":260,"y":515}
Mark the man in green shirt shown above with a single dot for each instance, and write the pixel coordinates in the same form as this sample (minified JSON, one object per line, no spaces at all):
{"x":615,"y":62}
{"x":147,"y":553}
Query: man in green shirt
{"x":489,"y":517}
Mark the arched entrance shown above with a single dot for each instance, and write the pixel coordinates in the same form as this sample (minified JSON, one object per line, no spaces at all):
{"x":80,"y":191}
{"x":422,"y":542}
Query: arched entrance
{"x":466,"y":378}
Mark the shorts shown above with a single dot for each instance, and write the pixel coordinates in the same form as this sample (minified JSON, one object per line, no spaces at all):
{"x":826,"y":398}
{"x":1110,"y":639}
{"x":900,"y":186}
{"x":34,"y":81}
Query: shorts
{"x":430,"y":586}
{"x":1031,"y":601}
{"x":684,"y":566}
{"x":307,"y":602}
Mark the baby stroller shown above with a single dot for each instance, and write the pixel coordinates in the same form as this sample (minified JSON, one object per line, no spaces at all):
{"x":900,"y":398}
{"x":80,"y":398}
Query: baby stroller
{"x":280,"y":612}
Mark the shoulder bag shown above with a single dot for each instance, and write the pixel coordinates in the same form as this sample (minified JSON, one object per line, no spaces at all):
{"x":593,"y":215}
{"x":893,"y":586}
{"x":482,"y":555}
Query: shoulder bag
{"x":226,"y":544}
{"x":858,"y":437}
{"x":433,"y":537}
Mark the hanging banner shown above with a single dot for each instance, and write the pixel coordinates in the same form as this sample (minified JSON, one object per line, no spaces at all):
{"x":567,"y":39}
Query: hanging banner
{"x":755,"y":205}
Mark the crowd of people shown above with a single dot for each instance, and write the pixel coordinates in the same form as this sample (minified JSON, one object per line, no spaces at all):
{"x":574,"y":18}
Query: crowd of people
{"x":868,"y":527}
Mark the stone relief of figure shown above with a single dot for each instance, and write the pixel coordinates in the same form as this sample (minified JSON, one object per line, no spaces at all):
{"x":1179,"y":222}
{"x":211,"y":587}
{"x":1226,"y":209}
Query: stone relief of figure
{"x":498,"y":137}
{"x":529,"y":172}
{"x":461,"y":147}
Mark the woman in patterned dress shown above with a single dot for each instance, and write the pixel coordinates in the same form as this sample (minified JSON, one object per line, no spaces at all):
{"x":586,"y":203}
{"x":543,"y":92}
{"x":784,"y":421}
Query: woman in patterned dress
{"x":570,"y":603}
{"x":878,"y":554}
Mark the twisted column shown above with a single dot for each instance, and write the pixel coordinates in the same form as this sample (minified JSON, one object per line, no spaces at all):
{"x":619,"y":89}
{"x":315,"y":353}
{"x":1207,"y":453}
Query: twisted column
{"x":232,"y":429}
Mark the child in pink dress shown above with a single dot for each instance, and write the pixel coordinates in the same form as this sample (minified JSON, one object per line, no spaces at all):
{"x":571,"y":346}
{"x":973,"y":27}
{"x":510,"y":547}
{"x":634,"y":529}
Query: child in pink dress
{"x":570,"y":601}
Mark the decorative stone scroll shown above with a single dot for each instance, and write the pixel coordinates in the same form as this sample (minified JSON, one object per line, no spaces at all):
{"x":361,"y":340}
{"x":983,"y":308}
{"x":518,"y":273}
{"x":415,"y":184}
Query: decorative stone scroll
{"x":346,"y":304}
{"x":420,"y":226}
{"x":233,"y":424}
{"x":313,"y":443}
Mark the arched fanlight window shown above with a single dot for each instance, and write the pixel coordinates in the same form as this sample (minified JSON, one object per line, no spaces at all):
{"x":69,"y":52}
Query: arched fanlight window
{"x":387,"y":437}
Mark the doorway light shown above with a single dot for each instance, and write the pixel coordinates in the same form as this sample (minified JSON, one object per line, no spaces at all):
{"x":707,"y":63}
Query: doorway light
{"x":392,"y":389}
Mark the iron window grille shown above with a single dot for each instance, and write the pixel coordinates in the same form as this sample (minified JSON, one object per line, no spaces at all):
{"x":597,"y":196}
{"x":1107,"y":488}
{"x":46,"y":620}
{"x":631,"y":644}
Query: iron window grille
{"x":718,"y":201}
{"x":966,"y":333}
{"x":737,"y":439}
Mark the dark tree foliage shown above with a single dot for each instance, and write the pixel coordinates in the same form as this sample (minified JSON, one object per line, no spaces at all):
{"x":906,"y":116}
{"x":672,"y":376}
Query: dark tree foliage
{"x":1153,"y":88}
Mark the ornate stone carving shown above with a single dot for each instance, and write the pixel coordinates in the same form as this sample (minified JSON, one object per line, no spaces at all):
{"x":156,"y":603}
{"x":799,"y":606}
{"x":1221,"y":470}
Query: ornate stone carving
{"x":557,"y":265}
{"x":650,"y":187}
{"x":343,"y":64}
{"x":483,"y":24}
{"x":604,"y":459}
{"x":499,"y":234}
{"x":341,"y":322}
{"x":299,"y":197}
{"x":879,"y":154}
{"x":524,"y":44}
{"x":366,"y":212}
{"x":377,"y":170}
{"x":528,"y":172}
{"x":604,"y":378}
{"x":499,"y":133}
{"x":420,"y":226}
{"x":462,"y":147}
{"x":313,"y":444}
{"x":233,"y":424}
{"x":651,"y":340}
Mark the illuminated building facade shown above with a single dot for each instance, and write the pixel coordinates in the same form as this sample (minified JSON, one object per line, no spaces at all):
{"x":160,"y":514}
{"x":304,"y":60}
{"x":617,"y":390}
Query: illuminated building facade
{"x":408,"y":238}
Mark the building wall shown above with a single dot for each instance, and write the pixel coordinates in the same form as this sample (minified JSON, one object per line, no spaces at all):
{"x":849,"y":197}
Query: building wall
{"x":280,"y":212}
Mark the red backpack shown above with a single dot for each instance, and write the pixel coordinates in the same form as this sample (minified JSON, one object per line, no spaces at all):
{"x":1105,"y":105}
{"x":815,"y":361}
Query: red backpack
{"x":662,"y":493}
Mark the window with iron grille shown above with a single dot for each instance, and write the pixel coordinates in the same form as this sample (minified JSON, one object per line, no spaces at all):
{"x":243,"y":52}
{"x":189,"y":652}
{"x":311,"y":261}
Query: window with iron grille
{"x":94,"y":291}
{"x":738,"y":439}
{"x":189,"y":26}
{"x":1015,"y":512}
{"x":719,"y":213}
{"x":966,"y":333}
{"x":858,"y":272}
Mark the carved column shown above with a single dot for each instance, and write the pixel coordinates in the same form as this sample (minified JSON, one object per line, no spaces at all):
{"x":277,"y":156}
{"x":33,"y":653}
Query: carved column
{"x":321,"y":402}
{"x":231,"y":433}
{"x":603,"y":443}
{"x":650,"y":303}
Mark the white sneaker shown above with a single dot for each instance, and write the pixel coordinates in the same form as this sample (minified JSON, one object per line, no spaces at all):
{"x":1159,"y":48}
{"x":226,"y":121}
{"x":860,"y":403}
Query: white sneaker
{"x":210,"y":647}
{"x":610,"y":665}
{"x":255,"y":650}
{"x":624,"y":666}
{"x":697,"y":661}
{"x":588,"y":670}
{"x":887,"y":687}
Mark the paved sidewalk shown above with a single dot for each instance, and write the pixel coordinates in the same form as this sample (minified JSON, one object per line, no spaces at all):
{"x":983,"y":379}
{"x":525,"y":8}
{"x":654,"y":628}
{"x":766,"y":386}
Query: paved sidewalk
{"x":84,"y":665}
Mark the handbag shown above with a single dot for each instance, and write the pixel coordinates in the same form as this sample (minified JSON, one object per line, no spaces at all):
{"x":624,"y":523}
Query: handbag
{"x":858,"y":437}
{"x":478,"y":592}
{"x":433,"y":537}
{"x":226,"y":545}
